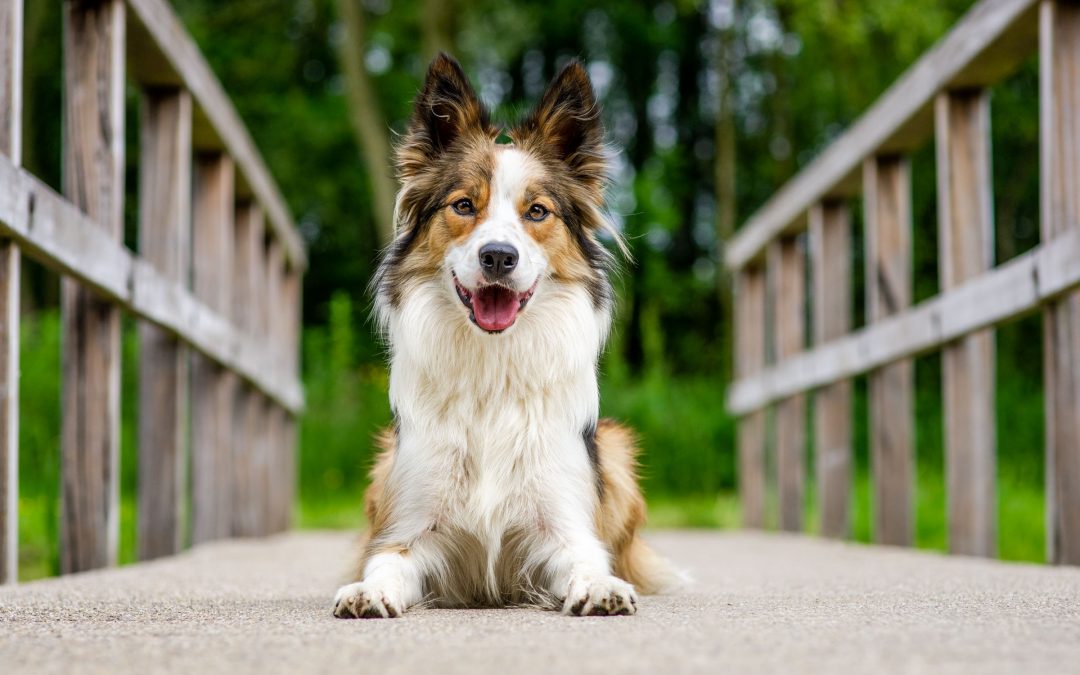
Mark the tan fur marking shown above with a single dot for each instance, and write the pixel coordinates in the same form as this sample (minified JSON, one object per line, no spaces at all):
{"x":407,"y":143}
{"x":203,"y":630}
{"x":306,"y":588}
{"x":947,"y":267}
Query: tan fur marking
{"x":377,"y":501}
{"x":447,"y":228}
{"x":459,"y":227}
{"x":622,"y":510}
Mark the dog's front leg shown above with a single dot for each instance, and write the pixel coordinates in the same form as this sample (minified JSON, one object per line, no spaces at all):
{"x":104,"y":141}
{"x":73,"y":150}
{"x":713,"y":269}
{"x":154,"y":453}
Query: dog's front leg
{"x":579,"y":573}
{"x":392,"y":582}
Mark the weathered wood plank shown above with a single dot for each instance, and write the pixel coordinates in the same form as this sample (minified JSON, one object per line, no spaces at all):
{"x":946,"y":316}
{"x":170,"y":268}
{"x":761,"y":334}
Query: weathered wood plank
{"x":292,"y":305}
{"x":249,"y":423}
{"x":288,"y":497}
{"x":830,"y":236}
{"x":94,"y":182}
{"x":213,"y":388}
{"x":11,"y":46}
{"x":1011,"y":290}
{"x":11,"y":75}
{"x":292,"y":301}
{"x":985,"y":35}
{"x":749,"y":359}
{"x":268,"y":464}
{"x":52,"y":231}
{"x":179,"y":50}
{"x":275,"y":472}
{"x":966,"y":235}
{"x":787,"y":270}
{"x":1060,"y":208}
{"x":887,"y":195}
{"x":10,"y":263}
{"x":164,"y":242}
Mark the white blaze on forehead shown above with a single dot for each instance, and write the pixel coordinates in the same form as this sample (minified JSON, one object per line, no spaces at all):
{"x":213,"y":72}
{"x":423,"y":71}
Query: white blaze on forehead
{"x":514,"y":171}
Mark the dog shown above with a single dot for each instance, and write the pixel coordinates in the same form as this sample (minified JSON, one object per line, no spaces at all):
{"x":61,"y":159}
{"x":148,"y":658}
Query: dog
{"x":498,"y":484}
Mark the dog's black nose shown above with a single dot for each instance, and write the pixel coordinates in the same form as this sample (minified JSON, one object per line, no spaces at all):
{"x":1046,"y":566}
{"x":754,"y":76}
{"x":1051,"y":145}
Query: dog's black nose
{"x":498,"y":259}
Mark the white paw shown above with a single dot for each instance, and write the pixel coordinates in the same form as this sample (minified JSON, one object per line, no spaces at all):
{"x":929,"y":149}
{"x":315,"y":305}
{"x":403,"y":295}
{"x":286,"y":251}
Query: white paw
{"x":608,"y":596}
{"x":364,"y":601}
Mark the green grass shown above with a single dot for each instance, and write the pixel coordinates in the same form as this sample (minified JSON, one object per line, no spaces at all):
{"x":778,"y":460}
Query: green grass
{"x":688,"y":465}
{"x":720,"y":511}
{"x":1019,"y":508}
{"x":39,"y":555}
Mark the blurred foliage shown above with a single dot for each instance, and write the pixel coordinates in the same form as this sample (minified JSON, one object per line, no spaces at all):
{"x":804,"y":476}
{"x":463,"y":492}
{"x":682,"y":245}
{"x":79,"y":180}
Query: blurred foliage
{"x":795,"y":72}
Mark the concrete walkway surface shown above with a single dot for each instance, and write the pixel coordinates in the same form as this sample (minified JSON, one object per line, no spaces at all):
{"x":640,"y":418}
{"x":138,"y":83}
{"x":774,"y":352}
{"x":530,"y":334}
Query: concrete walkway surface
{"x":760,"y":603}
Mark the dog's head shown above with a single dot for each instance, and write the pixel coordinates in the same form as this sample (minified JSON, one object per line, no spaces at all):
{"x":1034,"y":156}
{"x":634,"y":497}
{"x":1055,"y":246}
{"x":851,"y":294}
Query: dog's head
{"x":491,"y":227}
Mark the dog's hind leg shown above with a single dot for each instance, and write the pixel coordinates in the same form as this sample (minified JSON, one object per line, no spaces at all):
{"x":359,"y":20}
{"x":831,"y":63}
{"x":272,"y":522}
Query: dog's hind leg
{"x":622,"y":513}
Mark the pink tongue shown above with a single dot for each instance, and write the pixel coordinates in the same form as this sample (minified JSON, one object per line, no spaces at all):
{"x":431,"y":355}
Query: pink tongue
{"x":495,"y":307}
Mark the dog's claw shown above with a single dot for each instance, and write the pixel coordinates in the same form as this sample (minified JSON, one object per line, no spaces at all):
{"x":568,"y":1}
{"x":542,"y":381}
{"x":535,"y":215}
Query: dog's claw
{"x":607,"y":597}
{"x":360,"y":602}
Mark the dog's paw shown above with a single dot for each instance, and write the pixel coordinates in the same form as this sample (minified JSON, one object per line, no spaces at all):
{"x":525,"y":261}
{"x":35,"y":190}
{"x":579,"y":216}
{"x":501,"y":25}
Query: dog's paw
{"x":608,"y":596}
{"x":363,"y":601}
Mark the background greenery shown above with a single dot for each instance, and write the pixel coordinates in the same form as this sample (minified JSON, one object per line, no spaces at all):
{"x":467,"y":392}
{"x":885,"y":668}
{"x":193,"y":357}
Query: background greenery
{"x":711,"y":105}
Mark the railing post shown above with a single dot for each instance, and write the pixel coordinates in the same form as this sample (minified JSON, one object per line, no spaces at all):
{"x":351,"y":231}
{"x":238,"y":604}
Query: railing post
{"x":750,"y":359}
{"x":248,"y":276}
{"x":269,"y":460}
{"x":213,"y":386}
{"x":787,"y":271}
{"x":830,"y":236}
{"x":291,"y":326}
{"x":887,"y":199}
{"x":94,"y":182}
{"x":11,"y":46}
{"x":1059,"y":54}
{"x":966,"y":250}
{"x":164,"y":242}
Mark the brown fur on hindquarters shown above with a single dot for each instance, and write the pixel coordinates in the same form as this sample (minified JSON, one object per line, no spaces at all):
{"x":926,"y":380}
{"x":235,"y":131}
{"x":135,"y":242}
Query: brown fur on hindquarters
{"x":622,"y":511}
{"x":376,"y":500}
{"x":620,"y":515}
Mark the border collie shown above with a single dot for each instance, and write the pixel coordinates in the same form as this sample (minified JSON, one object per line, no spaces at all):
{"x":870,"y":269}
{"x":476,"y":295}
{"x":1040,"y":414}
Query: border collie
{"x":498,"y":484}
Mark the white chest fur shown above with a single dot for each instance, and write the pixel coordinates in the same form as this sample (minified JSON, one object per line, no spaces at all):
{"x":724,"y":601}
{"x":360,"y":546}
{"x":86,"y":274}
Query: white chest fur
{"x":490,"y":426}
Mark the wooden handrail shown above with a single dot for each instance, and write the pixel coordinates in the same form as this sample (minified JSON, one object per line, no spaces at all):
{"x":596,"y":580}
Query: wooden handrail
{"x":988,"y":43}
{"x":1013,"y":289}
{"x":245,"y":389}
{"x":52,"y":231}
{"x":166,"y":55}
{"x":943,"y":95}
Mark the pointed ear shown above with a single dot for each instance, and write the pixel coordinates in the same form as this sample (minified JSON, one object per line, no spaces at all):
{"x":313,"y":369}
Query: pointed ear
{"x":446,"y":109}
{"x":566,"y":123}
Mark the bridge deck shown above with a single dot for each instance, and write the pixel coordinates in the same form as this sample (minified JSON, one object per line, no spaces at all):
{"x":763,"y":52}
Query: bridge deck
{"x":761,"y":603}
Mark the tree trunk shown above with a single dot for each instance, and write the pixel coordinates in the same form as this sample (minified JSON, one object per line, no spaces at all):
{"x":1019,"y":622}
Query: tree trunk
{"x":438,"y":22}
{"x":725,"y":182}
{"x":642,"y":64}
{"x":781,"y":103}
{"x":367,"y":119}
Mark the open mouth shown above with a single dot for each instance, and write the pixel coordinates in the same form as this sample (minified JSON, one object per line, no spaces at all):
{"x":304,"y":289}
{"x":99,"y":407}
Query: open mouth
{"x":493,"y":307}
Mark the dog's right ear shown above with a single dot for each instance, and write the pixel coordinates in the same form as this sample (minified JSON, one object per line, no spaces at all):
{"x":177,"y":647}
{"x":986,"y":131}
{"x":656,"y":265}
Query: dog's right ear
{"x":446,"y":109}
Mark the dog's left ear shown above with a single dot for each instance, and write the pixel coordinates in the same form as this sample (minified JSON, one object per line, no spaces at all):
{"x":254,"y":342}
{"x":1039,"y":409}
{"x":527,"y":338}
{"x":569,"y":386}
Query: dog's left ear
{"x":446,"y":110}
{"x":566,"y":123}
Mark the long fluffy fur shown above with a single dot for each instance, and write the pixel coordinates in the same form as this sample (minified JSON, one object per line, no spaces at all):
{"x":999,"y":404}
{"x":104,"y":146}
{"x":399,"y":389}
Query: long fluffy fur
{"x":499,"y":484}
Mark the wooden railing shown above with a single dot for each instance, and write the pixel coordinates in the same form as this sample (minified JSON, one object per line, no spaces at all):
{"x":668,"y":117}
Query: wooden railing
{"x":943,"y":96}
{"x":216,"y":284}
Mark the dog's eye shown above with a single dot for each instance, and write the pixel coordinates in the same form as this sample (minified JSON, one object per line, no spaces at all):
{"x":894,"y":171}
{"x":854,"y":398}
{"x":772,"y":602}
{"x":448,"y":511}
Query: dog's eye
{"x":537,"y":212}
{"x":463,"y":207}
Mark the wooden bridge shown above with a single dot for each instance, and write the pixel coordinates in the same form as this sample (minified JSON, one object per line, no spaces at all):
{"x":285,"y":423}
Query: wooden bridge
{"x":761,"y":602}
{"x":943,"y":97}
{"x":217,"y":277}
